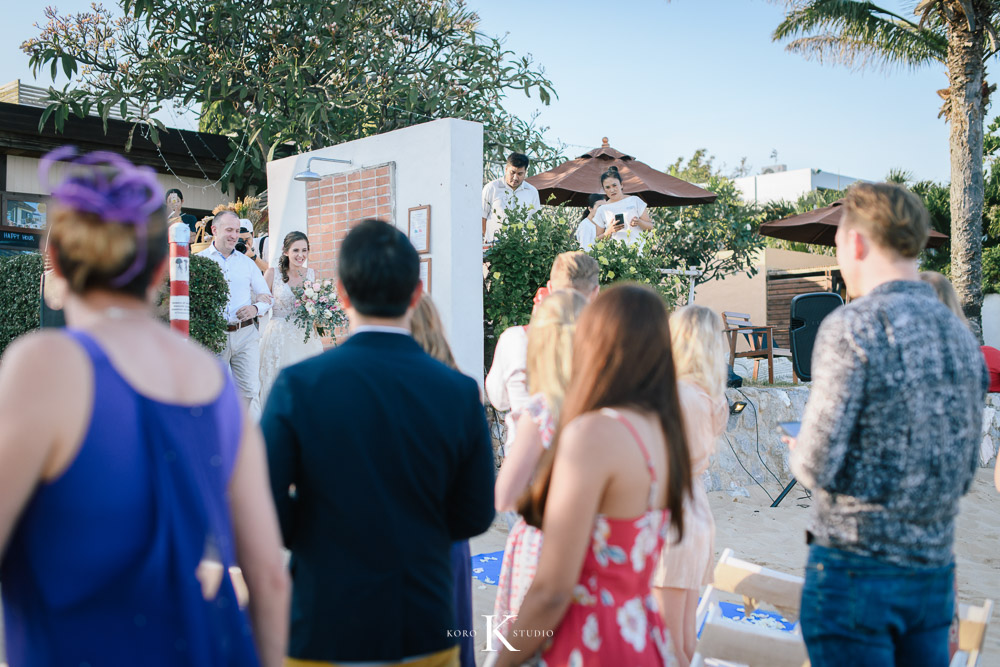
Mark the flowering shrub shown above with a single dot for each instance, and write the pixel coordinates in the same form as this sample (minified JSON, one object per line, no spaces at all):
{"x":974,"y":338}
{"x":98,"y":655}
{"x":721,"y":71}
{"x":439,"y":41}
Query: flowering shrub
{"x":317,"y":307}
{"x":620,"y":262}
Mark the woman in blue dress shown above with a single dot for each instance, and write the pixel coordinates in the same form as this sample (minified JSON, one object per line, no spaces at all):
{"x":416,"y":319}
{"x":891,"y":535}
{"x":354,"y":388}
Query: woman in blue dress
{"x":131,"y":482}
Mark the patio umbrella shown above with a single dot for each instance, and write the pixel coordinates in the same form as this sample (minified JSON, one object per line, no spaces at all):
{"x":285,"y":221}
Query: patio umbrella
{"x":820,"y":226}
{"x":575,"y":180}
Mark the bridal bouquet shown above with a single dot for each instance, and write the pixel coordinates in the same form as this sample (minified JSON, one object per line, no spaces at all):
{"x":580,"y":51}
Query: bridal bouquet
{"x":317,"y":307}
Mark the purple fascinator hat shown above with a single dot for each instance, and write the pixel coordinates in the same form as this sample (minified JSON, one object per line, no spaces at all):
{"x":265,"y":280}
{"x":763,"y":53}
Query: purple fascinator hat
{"x":110,"y":187}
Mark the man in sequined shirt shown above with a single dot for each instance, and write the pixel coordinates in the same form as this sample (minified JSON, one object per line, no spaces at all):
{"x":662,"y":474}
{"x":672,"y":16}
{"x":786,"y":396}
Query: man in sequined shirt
{"x":889,"y":443}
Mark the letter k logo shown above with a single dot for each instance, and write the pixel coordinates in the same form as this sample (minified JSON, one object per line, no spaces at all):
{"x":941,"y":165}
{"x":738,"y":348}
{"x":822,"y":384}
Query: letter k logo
{"x":494,"y":631}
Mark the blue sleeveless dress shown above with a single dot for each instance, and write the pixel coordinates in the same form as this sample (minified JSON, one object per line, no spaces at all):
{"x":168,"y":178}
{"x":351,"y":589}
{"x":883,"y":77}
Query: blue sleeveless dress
{"x":100,"y":569}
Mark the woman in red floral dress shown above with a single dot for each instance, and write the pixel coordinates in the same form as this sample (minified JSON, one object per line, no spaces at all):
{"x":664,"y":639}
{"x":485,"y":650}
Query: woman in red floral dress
{"x":614,"y":479}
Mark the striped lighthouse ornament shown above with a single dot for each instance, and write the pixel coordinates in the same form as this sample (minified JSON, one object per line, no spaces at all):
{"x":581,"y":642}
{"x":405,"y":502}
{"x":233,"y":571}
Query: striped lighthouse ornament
{"x":180,"y":237}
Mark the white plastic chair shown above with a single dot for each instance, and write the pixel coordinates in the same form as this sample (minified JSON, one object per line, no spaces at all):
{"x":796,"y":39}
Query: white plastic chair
{"x":724,"y":642}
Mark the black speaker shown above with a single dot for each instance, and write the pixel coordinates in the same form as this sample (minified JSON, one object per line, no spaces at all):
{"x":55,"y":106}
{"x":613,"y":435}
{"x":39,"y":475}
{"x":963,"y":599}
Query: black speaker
{"x":808,"y":310}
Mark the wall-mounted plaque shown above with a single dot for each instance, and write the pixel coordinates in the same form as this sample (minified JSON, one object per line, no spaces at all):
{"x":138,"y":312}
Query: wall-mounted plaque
{"x":425,"y":274}
{"x":420,"y":228}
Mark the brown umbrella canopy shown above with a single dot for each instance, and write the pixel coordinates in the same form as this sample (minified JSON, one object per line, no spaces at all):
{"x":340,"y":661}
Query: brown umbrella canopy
{"x":820,"y":227}
{"x":573,"y":181}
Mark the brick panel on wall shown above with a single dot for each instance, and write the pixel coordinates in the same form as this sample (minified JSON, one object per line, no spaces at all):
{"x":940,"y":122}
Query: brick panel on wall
{"x":336,"y":203}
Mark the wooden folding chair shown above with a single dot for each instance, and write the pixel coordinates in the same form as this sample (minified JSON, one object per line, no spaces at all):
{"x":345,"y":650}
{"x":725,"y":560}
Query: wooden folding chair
{"x":726,"y":641}
{"x":972,"y":624}
{"x":760,"y":338}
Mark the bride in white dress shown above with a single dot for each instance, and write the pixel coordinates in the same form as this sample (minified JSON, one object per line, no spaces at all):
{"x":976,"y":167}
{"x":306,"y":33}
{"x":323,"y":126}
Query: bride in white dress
{"x":281,"y":343}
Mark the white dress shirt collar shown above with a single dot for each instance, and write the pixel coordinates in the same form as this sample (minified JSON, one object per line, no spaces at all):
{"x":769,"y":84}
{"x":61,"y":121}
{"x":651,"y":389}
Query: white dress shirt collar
{"x":380,"y":328}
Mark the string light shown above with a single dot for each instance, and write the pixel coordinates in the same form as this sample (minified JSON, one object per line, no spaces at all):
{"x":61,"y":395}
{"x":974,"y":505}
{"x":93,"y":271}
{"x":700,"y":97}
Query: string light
{"x":146,"y":135}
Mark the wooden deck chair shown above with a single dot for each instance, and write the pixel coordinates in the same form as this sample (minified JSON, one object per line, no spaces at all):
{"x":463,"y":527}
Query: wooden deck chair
{"x":760,"y":338}
{"x":972,"y":624}
{"x":723,"y":641}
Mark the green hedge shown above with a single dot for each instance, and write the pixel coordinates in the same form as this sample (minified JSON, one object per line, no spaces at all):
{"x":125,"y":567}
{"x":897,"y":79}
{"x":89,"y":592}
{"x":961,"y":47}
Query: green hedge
{"x":520,"y":261}
{"x":20,"y":281}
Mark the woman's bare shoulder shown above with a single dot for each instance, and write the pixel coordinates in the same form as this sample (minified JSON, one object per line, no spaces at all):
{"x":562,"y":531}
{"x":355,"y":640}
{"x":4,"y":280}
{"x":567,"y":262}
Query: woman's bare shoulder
{"x":592,"y":434}
{"x":40,"y":350}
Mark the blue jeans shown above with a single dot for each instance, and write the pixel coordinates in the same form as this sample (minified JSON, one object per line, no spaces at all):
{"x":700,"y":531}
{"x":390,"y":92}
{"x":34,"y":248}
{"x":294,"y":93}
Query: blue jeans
{"x":860,"y":611}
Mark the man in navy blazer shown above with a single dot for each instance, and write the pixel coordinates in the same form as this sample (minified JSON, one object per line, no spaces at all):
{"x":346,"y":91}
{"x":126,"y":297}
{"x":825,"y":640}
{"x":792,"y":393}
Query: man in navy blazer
{"x":380,"y":458}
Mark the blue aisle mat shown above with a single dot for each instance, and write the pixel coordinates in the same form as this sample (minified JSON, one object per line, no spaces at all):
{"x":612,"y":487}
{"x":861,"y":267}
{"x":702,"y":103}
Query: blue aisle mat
{"x":769,"y":619}
{"x":486,"y":567}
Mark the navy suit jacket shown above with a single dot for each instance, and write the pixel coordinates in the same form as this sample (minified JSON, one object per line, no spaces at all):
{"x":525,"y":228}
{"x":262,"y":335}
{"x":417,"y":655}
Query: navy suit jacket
{"x":391,"y":461}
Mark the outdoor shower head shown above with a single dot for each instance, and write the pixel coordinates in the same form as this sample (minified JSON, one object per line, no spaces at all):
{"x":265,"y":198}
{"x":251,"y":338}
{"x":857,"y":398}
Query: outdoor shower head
{"x":310,"y":176}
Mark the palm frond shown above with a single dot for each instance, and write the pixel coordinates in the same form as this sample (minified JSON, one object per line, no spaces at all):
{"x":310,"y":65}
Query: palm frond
{"x":859,"y":35}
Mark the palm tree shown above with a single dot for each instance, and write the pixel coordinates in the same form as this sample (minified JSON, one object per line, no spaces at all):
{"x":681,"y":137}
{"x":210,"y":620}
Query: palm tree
{"x":959,"y":34}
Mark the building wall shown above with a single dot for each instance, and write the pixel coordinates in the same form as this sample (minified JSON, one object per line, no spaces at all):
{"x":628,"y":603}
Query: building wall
{"x":440,"y":164}
{"x":789,"y":185}
{"x":199,"y":193}
{"x":738,"y":293}
{"x":991,"y":320}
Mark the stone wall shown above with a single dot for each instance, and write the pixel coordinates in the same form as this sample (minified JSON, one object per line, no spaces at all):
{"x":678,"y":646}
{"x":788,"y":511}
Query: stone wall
{"x":751,"y":448}
{"x":751,"y":452}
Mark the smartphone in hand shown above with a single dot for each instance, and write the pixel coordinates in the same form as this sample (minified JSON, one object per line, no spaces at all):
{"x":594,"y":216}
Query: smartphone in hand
{"x":790,"y":429}
{"x":619,"y":221}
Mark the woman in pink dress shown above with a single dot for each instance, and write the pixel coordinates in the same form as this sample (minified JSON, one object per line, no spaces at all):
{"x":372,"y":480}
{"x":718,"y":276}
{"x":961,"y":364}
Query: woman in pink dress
{"x":616,"y":475}
{"x":687,"y":564}
{"x":550,"y":358}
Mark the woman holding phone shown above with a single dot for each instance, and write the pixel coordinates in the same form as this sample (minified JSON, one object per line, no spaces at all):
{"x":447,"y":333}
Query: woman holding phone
{"x":623,"y":217}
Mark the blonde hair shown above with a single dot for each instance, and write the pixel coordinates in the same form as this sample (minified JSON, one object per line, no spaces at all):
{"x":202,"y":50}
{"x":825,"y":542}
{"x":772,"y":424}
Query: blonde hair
{"x":698,"y":345}
{"x":550,"y":346}
{"x":891,"y":215}
{"x":575,"y":270}
{"x":91,"y":252}
{"x":429,"y":332}
{"x":945,"y":292}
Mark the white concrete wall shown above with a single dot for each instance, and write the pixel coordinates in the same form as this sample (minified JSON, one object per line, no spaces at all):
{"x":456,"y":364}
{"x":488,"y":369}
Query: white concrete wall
{"x":22,"y":177}
{"x":991,"y":320}
{"x":788,"y":185}
{"x":438,"y":163}
{"x":830,"y":181}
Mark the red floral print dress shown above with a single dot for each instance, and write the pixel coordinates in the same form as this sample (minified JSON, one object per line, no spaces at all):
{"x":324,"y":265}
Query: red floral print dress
{"x":613,"y":618}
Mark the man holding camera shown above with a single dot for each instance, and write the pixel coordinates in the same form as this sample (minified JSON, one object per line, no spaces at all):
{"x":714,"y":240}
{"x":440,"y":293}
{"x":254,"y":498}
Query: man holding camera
{"x":248,"y":246}
{"x":242,"y":350}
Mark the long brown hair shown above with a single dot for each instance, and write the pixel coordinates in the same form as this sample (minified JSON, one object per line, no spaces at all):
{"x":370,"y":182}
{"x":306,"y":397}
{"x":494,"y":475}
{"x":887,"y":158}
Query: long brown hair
{"x":283,"y":261}
{"x":429,"y":332}
{"x":622,"y":358}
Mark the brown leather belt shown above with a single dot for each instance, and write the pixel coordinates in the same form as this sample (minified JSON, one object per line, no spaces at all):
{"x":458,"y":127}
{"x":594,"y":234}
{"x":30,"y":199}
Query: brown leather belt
{"x":236,"y":327}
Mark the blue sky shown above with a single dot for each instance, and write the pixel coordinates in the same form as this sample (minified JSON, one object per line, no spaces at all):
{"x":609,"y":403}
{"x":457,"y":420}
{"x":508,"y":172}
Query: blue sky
{"x":661,"y":79}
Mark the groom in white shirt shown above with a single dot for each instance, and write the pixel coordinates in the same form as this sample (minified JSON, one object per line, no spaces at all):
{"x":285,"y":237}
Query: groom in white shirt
{"x":242,"y":351}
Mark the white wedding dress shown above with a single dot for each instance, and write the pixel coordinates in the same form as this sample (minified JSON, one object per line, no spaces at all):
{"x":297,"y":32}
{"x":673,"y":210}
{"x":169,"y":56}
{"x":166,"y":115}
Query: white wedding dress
{"x":282,"y":343}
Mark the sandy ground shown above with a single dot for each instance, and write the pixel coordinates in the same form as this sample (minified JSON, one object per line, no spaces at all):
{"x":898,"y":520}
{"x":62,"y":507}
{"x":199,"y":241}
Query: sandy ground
{"x":776,"y":538}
